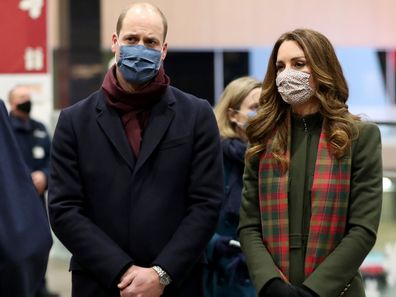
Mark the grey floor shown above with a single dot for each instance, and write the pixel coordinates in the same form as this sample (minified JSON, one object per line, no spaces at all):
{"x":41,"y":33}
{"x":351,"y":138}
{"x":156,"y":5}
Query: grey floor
{"x":58,"y":277}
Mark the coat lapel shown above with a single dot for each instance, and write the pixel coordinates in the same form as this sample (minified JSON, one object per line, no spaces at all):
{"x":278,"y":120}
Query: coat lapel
{"x":110,"y":123}
{"x":160,"y":118}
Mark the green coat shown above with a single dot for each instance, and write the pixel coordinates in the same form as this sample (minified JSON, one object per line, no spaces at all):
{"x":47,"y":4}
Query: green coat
{"x":338,"y":274}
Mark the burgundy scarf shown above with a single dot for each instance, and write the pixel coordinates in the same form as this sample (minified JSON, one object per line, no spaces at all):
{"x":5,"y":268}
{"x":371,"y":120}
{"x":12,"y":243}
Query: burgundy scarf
{"x":134,"y":107}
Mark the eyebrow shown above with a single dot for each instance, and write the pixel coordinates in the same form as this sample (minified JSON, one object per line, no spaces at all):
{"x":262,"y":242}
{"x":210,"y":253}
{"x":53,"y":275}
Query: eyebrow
{"x":151,"y":38}
{"x":293,"y":59}
{"x":127,"y":35}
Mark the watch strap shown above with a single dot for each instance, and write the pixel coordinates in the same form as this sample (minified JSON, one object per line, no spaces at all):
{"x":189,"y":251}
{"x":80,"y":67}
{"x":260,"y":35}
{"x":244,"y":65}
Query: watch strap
{"x":164,"y":278}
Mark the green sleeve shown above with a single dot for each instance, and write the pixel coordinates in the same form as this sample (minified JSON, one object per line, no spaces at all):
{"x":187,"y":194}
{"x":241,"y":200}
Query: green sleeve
{"x":259,"y":261}
{"x":337,"y":270}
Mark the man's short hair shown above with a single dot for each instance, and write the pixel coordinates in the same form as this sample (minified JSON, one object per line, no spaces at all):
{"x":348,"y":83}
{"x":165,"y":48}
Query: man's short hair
{"x":146,"y":5}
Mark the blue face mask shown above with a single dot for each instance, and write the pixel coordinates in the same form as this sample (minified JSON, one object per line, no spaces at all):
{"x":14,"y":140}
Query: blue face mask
{"x":251,"y":114}
{"x":139,"y":64}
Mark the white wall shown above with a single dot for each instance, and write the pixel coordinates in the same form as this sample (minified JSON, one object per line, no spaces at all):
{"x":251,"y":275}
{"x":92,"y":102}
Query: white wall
{"x":236,"y":23}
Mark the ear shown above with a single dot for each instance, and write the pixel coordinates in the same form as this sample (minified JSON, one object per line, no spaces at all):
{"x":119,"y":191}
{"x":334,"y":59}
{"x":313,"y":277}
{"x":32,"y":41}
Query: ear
{"x":164,"y":51}
{"x":114,"y":44}
{"x":232,"y":115}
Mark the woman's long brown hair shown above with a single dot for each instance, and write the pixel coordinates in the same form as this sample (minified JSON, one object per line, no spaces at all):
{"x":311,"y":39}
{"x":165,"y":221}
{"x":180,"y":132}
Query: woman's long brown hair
{"x":331,"y":91}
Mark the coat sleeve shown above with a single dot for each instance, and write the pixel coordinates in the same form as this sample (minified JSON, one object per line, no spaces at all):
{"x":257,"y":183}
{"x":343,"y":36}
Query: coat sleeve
{"x":47,"y":148}
{"x":25,"y":238}
{"x":335,"y":273}
{"x":259,"y":261}
{"x":205,"y":194}
{"x":91,"y":247}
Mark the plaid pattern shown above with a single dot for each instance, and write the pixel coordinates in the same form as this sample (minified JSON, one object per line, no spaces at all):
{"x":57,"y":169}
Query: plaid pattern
{"x":329,"y":198}
{"x":330,"y":195}
{"x":273,"y":184}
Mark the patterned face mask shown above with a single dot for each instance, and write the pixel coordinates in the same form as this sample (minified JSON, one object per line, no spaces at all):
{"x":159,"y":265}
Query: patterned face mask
{"x":293,"y":86}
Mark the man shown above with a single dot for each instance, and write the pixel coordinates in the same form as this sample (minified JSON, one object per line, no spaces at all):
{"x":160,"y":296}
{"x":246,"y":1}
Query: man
{"x":25,"y":238}
{"x":34,"y":143}
{"x":136,"y":174}
{"x":32,"y":137}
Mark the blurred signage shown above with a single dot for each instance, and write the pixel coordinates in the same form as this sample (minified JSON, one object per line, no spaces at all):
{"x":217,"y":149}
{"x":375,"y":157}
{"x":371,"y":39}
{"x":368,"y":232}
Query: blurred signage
{"x":23,"y":34}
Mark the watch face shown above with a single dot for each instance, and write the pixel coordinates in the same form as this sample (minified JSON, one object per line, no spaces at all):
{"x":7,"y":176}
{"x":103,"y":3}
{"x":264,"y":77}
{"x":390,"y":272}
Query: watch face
{"x":164,"y":278}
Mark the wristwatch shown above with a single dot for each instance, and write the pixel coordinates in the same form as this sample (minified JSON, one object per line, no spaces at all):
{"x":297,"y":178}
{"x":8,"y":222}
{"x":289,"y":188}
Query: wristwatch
{"x":164,"y":278}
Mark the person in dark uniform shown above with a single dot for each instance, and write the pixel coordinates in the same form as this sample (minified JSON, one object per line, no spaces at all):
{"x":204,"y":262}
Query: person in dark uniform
{"x":34,"y":143}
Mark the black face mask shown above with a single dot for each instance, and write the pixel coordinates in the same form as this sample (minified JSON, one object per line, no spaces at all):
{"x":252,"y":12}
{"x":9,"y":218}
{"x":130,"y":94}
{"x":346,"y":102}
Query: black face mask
{"x":25,"y":106}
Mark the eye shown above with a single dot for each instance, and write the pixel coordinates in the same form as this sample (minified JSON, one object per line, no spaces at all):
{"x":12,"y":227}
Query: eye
{"x":254,"y":107}
{"x":131,"y":39}
{"x":151,"y":42}
{"x":300,"y":64}
{"x":279,"y":67}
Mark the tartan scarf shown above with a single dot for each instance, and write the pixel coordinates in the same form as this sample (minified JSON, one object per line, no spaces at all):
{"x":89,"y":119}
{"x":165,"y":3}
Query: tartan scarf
{"x":329,"y":205}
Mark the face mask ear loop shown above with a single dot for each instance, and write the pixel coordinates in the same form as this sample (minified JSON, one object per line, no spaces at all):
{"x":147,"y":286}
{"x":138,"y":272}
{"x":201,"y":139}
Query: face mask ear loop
{"x":249,"y":114}
{"x":115,"y":54}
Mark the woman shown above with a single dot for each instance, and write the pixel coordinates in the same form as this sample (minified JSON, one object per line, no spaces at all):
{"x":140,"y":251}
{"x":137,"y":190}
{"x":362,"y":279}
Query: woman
{"x":227,"y":273}
{"x":313,"y":179}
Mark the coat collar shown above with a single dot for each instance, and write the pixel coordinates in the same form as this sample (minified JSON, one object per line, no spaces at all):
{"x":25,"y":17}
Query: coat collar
{"x":161,"y":116}
{"x":110,"y":122}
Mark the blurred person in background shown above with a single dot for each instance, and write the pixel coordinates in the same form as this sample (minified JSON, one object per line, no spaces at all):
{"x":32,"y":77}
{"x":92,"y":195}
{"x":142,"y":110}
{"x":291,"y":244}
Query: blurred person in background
{"x":32,"y":137}
{"x":312,"y":191}
{"x":136,"y":179}
{"x":25,"y":237}
{"x":34,"y":143}
{"x":227,"y":273}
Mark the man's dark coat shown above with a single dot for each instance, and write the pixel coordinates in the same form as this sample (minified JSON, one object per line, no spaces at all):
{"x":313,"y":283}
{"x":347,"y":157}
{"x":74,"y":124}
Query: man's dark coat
{"x":111,"y":209}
